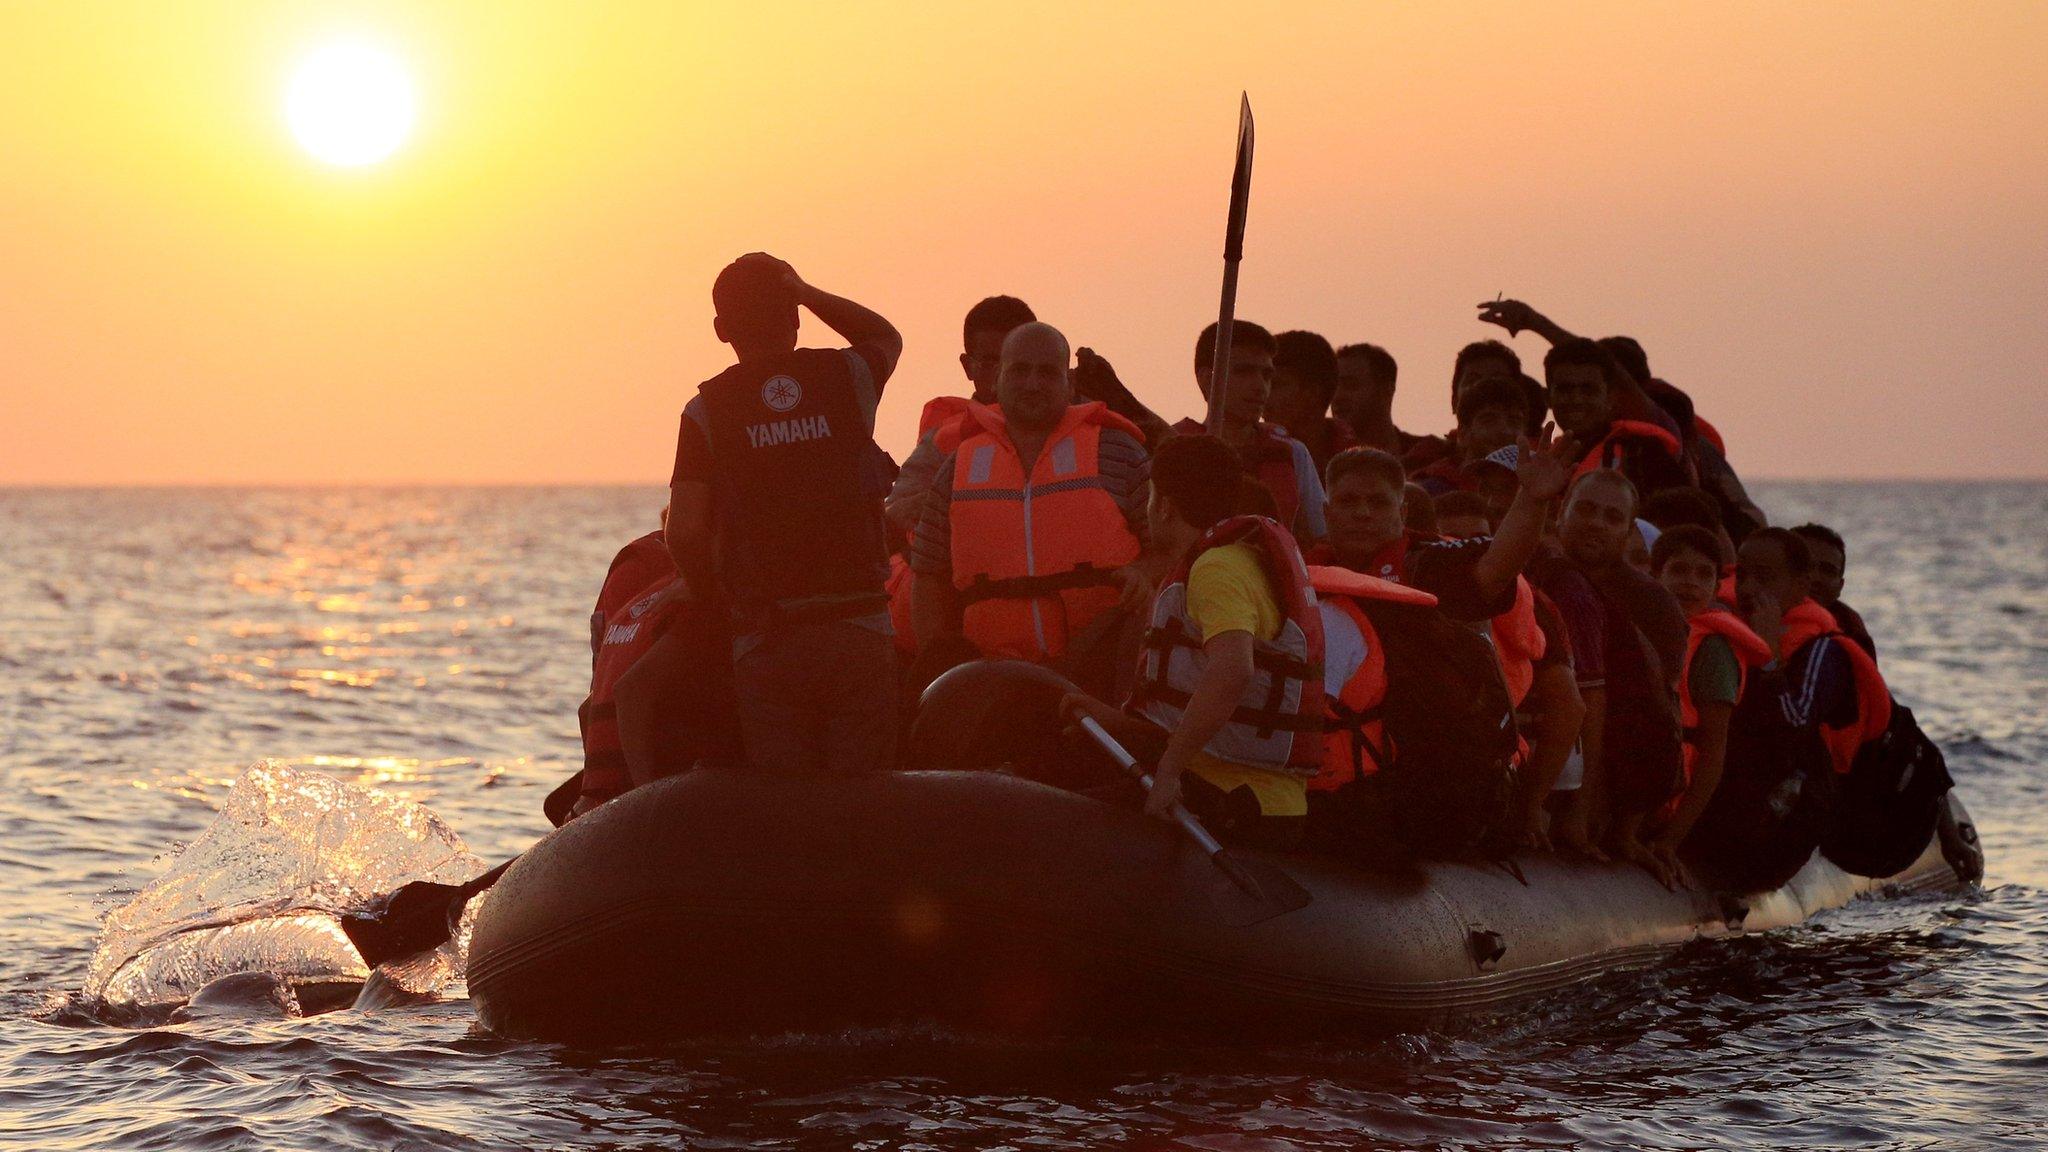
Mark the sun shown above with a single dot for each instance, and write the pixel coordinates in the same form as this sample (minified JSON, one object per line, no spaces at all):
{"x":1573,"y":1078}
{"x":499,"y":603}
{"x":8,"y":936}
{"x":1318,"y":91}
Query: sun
{"x":350,"y":104}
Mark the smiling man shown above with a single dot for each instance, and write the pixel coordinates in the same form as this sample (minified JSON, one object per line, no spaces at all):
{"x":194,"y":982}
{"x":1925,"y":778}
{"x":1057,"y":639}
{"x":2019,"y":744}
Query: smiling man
{"x":1033,"y":528}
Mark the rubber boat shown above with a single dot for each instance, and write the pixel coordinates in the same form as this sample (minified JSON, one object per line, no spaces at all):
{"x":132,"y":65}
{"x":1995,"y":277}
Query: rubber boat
{"x":727,"y":902}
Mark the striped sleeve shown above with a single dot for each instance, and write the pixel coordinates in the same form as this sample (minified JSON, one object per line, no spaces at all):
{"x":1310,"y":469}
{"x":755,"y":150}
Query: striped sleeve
{"x":931,"y":546}
{"x":1127,"y":472}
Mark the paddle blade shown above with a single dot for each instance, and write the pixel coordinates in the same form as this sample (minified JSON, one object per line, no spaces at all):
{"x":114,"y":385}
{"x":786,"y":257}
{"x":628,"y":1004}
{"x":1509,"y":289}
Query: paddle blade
{"x":1240,"y":183}
{"x":414,"y":919}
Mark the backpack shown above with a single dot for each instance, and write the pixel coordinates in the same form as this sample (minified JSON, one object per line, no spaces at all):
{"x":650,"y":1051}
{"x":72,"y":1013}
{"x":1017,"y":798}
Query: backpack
{"x":1446,"y":775}
{"x":1888,"y":802}
{"x":1776,"y":798}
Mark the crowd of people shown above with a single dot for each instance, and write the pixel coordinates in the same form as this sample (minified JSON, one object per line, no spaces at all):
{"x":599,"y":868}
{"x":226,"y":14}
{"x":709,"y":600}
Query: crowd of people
{"x":1559,"y":625}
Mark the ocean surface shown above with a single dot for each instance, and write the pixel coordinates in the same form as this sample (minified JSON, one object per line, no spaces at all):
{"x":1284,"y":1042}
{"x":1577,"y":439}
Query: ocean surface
{"x":433,"y":644}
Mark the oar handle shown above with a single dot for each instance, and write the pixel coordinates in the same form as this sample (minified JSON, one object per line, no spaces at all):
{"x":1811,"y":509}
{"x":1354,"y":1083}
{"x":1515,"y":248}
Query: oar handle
{"x":1129,"y":763}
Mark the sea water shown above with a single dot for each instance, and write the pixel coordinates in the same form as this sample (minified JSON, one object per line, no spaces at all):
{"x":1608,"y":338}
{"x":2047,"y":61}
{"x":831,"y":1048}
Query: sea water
{"x":226,"y":715}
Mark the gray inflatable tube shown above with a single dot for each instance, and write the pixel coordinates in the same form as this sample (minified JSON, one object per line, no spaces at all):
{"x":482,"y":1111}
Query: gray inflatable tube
{"x":724,"y":902}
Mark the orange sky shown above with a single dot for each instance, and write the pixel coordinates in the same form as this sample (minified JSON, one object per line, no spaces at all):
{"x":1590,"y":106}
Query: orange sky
{"x":1829,"y":223}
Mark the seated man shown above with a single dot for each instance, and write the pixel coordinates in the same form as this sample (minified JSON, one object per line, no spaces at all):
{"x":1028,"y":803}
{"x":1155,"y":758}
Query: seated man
{"x":1304,"y":383}
{"x":1632,"y":751}
{"x":1267,"y":454}
{"x":1033,"y":529}
{"x":1721,"y":651}
{"x":1230,"y":692}
{"x":1491,"y":416}
{"x":1830,"y":564}
{"x":1581,"y":377}
{"x":1821,"y":679}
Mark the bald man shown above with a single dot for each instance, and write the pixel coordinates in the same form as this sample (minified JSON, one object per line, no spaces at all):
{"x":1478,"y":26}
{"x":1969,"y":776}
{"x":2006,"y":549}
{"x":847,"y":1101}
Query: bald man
{"x":1035,"y":526}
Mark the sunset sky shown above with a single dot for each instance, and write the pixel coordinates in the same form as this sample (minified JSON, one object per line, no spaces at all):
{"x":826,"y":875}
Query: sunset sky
{"x":1828,"y":222}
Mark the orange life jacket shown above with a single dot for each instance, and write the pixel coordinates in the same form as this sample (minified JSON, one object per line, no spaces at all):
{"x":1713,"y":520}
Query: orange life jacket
{"x":940,"y":409}
{"x":1354,"y":737}
{"x":1518,"y":642}
{"x":628,"y":634}
{"x":1806,"y":622}
{"x":1035,"y":557}
{"x":1623,"y":438}
{"x":1709,"y":433}
{"x":635,"y":567}
{"x":898,"y":589}
{"x":1278,"y":722}
{"x":1750,"y":653}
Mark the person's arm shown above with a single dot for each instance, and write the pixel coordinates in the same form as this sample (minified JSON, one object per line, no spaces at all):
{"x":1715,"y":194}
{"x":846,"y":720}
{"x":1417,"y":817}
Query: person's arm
{"x":1560,"y":714}
{"x":1710,"y":744}
{"x":858,"y":325}
{"x":689,"y":535}
{"x":910,"y":495}
{"x":1095,"y":379}
{"x":1542,"y":469}
{"x":934,"y":604}
{"x":1583,"y":823}
{"x":1309,"y":526}
{"x":1228,"y":669}
{"x":1518,"y":317}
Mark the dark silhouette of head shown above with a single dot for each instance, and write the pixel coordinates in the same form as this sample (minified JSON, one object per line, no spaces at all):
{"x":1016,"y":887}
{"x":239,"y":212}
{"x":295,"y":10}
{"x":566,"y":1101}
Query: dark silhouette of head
{"x":1830,"y":561}
{"x":755,"y":310}
{"x":1582,"y":385}
{"x":1462,"y":515}
{"x":1249,"y":378}
{"x":1773,"y":561}
{"x":1194,"y":487}
{"x":1629,"y":355}
{"x":1491,"y":414}
{"x":1418,"y":509}
{"x":1536,"y":406}
{"x":1366,"y":375}
{"x":981,"y":340}
{"x":1304,"y":380}
{"x":1676,"y":507}
{"x":1480,"y":359}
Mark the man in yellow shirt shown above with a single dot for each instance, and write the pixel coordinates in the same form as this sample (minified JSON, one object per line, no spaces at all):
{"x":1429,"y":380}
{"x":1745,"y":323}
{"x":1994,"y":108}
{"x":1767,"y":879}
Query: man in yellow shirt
{"x":1230,"y":692}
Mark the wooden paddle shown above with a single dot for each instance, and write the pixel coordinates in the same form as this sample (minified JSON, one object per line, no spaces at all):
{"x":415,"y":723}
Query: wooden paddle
{"x":1259,"y":880}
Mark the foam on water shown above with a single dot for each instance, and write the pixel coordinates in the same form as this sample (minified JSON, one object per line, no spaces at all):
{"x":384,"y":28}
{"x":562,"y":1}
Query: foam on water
{"x":259,"y":890}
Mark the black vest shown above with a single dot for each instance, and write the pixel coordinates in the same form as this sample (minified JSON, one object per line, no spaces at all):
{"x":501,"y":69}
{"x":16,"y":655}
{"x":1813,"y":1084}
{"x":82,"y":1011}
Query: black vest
{"x":800,"y":528}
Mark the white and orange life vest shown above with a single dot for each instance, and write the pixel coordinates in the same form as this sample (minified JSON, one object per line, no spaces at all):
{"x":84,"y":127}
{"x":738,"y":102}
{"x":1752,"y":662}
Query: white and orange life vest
{"x":628,"y":634}
{"x":1278,"y":722}
{"x":1035,"y":557}
{"x":1806,"y":622}
{"x":1355,"y":744}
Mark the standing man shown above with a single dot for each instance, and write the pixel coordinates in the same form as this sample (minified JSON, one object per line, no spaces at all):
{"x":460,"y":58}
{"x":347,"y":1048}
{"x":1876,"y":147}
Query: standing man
{"x":1270,"y":457}
{"x":772,"y":502}
{"x":1365,"y":397}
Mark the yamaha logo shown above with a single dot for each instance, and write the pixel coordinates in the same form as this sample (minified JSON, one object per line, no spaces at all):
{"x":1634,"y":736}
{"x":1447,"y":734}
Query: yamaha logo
{"x":782,"y":393}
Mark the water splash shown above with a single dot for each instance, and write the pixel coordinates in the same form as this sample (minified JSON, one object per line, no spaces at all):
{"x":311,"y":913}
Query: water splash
{"x":259,"y":892}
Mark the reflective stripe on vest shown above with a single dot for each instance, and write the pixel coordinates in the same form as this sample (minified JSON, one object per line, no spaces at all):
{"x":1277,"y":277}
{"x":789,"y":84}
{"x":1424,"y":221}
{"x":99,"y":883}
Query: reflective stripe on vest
{"x":1806,"y":622}
{"x":1278,"y":718}
{"x":1354,"y":736}
{"x":1035,"y":557}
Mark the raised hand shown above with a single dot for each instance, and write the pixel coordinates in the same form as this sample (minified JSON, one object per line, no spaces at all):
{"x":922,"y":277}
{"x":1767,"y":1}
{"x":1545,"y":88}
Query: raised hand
{"x":1543,"y":463}
{"x":1512,"y":315}
{"x":790,"y":279}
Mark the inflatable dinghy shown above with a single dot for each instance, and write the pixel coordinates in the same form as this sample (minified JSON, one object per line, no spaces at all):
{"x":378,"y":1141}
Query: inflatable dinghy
{"x":728,"y":902}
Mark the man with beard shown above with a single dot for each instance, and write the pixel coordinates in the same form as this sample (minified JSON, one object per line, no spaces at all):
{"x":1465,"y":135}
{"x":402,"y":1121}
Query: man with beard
{"x":1631,"y":742}
{"x":1034,"y":525}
